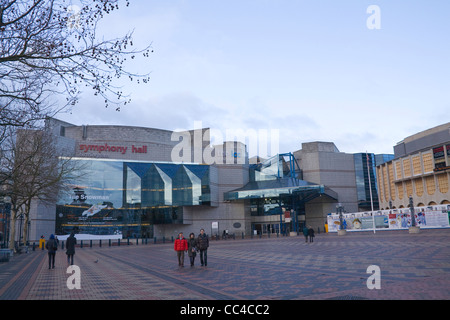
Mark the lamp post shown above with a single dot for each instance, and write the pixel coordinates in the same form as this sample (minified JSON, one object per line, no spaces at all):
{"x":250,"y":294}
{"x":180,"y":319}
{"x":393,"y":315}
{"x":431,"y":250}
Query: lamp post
{"x":413,"y":228}
{"x":6,"y":213}
{"x":339,"y":211}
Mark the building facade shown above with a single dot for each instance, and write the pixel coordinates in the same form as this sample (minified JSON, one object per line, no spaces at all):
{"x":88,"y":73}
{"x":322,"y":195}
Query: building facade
{"x":147,"y":182}
{"x":128,"y":185}
{"x":420,"y":169}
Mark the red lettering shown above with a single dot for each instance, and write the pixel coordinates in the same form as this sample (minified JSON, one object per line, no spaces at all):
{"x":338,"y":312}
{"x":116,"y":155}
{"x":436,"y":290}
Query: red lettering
{"x":102,"y":148}
{"x":142,"y":149}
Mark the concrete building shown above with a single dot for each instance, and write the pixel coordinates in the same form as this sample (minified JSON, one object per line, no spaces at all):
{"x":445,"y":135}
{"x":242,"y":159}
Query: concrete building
{"x":420,"y":168}
{"x":147,"y":182}
{"x":351,"y":176}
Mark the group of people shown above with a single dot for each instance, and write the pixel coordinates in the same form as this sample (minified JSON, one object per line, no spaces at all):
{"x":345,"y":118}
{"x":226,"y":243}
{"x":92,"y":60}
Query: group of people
{"x":191,"y":246}
{"x":308,"y":232}
{"x":52,"y":246}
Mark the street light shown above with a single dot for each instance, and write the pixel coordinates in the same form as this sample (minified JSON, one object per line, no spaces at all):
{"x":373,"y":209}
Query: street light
{"x":340,"y":211}
{"x":413,"y":228}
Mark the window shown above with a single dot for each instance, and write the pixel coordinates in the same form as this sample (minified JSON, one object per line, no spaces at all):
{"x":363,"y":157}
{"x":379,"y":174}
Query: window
{"x":417,"y":166}
{"x":427,"y":162}
{"x":431,"y":185}
{"x":442,"y":180}
{"x":418,"y":184}
{"x":406,"y":168}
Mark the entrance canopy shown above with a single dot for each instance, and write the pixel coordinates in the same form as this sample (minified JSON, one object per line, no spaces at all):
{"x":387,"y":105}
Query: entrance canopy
{"x":280,"y":187}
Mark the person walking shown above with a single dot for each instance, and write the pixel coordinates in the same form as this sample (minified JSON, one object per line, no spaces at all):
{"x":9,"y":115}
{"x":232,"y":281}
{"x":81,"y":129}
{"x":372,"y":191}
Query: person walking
{"x":51,"y":247}
{"x":70,"y":246}
{"x":311,"y":234}
{"x":203,"y":244}
{"x":305,"y":233}
{"x":180,"y":246}
{"x":192,"y":248}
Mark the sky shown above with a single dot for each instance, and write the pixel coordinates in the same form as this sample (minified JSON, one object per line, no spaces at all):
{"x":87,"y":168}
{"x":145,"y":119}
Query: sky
{"x":311,"y":70}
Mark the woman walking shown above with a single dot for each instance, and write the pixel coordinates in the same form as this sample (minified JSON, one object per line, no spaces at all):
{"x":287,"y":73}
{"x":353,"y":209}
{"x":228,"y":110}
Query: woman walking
{"x":192,"y":248}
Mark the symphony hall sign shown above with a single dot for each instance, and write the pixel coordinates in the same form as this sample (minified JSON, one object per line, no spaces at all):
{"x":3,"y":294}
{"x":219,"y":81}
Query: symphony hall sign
{"x":107,"y":148}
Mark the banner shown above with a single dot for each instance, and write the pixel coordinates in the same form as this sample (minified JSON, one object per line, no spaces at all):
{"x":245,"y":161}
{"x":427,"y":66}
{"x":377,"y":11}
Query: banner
{"x":394,"y":219}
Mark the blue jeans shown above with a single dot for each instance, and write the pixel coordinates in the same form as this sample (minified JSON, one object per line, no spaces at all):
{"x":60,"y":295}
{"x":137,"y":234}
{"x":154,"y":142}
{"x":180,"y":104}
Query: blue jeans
{"x":203,"y":257}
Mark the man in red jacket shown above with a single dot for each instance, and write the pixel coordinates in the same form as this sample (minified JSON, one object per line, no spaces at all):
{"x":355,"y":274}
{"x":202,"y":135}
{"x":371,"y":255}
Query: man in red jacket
{"x":180,"y":247}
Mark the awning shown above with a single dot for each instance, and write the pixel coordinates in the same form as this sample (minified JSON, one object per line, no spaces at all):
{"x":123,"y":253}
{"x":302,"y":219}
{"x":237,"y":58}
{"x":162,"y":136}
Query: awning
{"x":280,"y":187}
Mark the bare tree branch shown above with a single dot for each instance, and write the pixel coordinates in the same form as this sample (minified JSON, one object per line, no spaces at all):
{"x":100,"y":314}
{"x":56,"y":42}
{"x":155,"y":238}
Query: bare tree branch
{"x":48,"y":49}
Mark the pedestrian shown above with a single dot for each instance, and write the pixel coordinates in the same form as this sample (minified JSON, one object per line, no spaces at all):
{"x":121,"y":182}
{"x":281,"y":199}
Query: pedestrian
{"x":311,"y":234}
{"x":51,"y":247}
{"x":180,"y":246}
{"x":203,"y":244}
{"x":192,"y":248}
{"x":70,"y":246}
{"x":305,"y":233}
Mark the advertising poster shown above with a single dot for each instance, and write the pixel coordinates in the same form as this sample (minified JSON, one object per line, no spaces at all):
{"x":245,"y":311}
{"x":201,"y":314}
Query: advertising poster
{"x":333,"y":223}
{"x":395,"y":219}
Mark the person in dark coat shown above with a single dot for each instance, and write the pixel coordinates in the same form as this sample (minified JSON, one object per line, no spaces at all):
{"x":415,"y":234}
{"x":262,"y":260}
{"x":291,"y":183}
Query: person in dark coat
{"x":192,"y":248}
{"x":305,"y":233}
{"x":311,"y":234}
{"x":51,"y":247}
{"x":70,"y":246}
{"x":203,"y":244}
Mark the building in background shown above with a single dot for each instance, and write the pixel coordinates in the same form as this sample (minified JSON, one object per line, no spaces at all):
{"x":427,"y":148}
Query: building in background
{"x":420,"y":169}
{"x":128,"y":184}
{"x":141,"y":182}
{"x":351,"y":176}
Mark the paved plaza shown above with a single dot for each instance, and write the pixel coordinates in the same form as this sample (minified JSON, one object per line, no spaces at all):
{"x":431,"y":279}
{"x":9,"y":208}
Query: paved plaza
{"x":412,"y":267}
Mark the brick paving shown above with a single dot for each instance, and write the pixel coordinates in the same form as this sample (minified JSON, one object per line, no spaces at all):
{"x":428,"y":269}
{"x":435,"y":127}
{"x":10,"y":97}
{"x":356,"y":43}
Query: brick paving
{"x":413,"y":267}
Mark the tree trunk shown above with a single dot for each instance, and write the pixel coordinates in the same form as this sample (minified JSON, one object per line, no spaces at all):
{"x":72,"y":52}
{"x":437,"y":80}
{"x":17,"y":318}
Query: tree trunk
{"x":12,"y":230}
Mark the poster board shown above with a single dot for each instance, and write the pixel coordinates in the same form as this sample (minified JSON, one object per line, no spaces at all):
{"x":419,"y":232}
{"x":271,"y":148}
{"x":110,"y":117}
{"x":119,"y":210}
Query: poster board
{"x":395,"y":219}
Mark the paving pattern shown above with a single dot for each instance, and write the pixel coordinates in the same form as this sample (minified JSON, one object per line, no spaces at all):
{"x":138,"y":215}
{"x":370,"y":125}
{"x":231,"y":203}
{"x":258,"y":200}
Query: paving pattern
{"x":413,"y":267}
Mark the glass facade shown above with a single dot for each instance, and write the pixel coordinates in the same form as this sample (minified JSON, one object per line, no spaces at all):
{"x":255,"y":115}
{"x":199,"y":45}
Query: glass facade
{"x":365,"y":166}
{"x":128,"y":198}
{"x":275,"y":189}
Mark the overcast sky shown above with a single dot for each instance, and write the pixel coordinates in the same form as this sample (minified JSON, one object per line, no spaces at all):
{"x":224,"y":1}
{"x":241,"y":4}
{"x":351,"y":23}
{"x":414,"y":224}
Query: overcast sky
{"x":311,"y":69}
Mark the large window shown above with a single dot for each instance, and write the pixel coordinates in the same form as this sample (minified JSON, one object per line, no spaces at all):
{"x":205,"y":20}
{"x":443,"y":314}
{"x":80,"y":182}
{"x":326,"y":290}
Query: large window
{"x":116,"y":197}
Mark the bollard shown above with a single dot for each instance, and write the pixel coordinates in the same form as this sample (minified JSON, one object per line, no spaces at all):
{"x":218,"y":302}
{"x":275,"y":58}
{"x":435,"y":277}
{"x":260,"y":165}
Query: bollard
{"x":100,"y":243}
{"x":137,"y":241}
{"x":81,"y":244}
{"x":154,"y":240}
{"x":164,"y":239}
{"x":109,"y":242}
{"x":62,"y":245}
{"x":90,"y":243}
{"x":118,"y":242}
